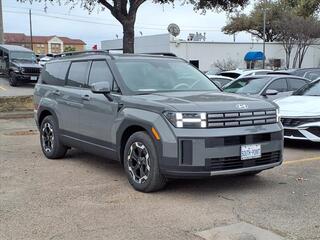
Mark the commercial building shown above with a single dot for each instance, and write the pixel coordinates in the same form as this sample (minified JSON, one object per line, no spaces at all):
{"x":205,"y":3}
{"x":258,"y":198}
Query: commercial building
{"x":45,"y":44}
{"x":207,"y":54}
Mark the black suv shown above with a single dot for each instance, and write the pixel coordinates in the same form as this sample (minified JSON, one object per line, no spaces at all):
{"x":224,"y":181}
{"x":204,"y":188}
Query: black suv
{"x":158,"y":115}
{"x":19,"y":63}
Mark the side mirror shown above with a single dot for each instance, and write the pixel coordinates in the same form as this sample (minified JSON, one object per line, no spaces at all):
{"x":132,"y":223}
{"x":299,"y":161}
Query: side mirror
{"x":269,"y":92}
{"x":101,"y":87}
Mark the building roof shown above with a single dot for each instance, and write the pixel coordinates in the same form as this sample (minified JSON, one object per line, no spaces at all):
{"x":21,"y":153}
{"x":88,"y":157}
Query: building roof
{"x":15,"y":48}
{"x":22,"y":38}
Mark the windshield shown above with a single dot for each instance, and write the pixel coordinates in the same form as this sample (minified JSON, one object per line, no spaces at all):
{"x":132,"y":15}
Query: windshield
{"x":30,"y":56}
{"x":166,"y":75}
{"x":311,"y":89}
{"x":247,"y":85}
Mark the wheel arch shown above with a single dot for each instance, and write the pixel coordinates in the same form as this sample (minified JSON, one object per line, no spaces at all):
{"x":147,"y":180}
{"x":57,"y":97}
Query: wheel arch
{"x":44,"y":112}
{"x":125,"y":135}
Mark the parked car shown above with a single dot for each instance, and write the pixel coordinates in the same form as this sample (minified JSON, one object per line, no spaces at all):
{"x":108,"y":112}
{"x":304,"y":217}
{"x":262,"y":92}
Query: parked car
{"x":239,"y":73}
{"x":19,"y":63}
{"x":268,"y":87}
{"x":309,"y":73}
{"x":44,"y":60}
{"x":300,"y":114}
{"x":158,"y":115}
{"x":213,"y":72}
{"x":220,"y":80}
{"x":39,"y":56}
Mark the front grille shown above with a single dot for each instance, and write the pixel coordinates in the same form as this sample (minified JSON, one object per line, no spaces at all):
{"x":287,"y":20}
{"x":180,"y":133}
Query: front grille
{"x":242,"y":140}
{"x":235,"y":119}
{"x":293,"y":133}
{"x":230,"y":163}
{"x":294,"y":122}
{"x":29,"y":70}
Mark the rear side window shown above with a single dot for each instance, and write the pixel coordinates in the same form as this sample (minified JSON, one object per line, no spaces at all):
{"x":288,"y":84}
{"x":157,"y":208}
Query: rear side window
{"x":295,"y":84}
{"x":55,"y":73}
{"x":100,"y":72}
{"x":78,"y":74}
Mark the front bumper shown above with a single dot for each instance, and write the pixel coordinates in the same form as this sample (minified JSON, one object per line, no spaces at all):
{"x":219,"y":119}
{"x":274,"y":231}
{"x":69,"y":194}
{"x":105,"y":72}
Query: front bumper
{"x":27,"y":77}
{"x":306,"y":132}
{"x":212,"y":152}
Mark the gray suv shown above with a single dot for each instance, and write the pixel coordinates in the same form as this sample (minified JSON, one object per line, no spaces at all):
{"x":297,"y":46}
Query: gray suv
{"x":157,"y":115}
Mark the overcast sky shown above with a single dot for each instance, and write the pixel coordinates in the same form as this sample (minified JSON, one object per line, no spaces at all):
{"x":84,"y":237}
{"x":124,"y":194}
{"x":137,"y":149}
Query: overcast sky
{"x":77,"y":23}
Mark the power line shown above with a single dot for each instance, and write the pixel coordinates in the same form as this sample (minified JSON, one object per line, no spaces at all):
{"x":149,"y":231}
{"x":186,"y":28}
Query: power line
{"x":109,"y":24}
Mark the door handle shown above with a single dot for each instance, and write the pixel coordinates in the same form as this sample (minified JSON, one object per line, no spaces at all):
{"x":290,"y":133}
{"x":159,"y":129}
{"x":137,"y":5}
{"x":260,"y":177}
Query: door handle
{"x":85,"y":97}
{"x":57,"y":92}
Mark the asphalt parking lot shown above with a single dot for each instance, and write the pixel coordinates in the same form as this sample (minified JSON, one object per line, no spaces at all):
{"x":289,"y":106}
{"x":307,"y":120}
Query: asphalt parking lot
{"x":88,"y":197}
{"x":21,"y":90}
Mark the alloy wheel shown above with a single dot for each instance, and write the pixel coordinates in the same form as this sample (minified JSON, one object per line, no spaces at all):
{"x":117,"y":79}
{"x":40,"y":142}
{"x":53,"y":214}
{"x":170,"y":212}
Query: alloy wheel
{"x":138,"y":162}
{"x":47,"y":137}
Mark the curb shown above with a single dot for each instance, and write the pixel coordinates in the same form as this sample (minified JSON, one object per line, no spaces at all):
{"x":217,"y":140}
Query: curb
{"x":16,"y":104}
{"x":16,"y":114}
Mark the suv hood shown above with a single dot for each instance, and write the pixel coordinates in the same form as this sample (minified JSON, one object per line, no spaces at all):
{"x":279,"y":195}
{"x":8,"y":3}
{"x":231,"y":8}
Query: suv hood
{"x":24,"y":63}
{"x":299,"y":106}
{"x":198,"y":101}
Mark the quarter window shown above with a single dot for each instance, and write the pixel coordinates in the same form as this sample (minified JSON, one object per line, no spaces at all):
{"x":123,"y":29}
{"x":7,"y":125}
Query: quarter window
{"x":100,"y":72}
{"x":78,"y":74}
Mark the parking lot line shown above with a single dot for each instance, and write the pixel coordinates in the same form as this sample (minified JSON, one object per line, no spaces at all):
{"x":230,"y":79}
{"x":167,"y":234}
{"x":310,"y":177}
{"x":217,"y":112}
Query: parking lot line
{"x":302,"y":160}
{"x":2,"y":88}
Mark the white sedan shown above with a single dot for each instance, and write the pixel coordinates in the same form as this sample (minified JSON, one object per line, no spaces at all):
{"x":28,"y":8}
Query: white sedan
{"x":44,"y":60}
{"x":300,"y":113}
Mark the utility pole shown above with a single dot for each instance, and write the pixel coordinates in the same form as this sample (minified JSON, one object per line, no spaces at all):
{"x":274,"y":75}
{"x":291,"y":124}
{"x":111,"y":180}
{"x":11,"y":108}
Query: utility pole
{"x":264,"y":33}
{"x":30,"y":19}
{"x":1,"y":25}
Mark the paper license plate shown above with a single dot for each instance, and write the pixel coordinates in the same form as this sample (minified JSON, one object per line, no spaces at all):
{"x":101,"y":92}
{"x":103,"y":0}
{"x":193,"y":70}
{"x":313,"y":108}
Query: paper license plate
{"x":250,"y":151}
{"x":33,"y":78}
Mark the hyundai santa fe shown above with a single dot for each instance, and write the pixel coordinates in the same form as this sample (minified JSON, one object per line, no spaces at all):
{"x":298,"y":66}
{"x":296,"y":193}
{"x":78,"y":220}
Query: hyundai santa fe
{"x":157,"y":115}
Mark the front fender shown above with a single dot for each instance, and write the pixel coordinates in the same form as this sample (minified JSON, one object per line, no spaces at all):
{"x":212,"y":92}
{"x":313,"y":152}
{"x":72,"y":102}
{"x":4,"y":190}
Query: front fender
{"x":132,"y":117}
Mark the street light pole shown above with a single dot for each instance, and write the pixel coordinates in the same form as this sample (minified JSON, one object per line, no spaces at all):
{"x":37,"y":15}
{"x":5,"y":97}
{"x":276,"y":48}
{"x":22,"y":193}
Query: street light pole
{"x":31,"y":37}
{"x":264,"y":33}
{"x":1,"y":25}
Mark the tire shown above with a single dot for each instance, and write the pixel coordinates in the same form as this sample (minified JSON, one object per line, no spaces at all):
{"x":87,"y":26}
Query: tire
{"x":149,"y":179}
{"x":51,"y":145}
{"x":13,"y":79}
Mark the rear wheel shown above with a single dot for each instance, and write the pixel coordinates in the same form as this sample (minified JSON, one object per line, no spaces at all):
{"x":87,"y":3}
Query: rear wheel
{"x":49,"y":138}
{"x":13,"y":79}
{"x":141,"y":164}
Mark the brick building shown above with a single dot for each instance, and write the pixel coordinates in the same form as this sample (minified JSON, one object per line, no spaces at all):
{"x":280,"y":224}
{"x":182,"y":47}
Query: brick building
{"x":44,"y":44}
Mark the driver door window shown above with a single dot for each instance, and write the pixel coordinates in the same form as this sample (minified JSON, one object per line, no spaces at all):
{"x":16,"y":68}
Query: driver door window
{"x":280,"y":85}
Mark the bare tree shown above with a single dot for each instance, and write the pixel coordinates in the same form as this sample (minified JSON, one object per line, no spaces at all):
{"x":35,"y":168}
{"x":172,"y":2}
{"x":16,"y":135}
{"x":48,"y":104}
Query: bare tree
{"x":307,"y":33}
{"x":226,"y":64}
{"x":285,"y":27}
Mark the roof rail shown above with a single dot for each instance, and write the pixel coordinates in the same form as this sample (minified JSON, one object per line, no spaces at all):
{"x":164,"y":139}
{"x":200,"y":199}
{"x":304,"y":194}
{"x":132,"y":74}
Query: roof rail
{"x":168,"y":54}
{"x":65,"y":54}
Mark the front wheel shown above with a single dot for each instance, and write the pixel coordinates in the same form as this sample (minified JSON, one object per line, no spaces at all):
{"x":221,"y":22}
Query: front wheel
{"x":49,"y":138}
{"x":141,"y":164}
{"x":13,"y":79}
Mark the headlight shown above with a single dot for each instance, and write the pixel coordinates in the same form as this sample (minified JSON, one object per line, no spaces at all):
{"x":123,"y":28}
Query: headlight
{"x":187,"y":119}
{"x":16,"y":70}
{"x":278,"y":115}
{"x":22,"y":70}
